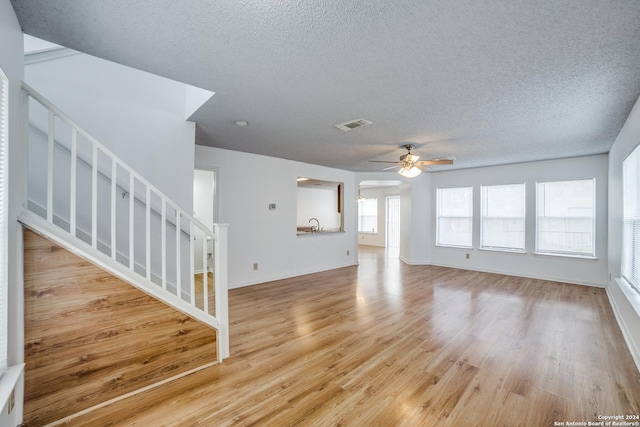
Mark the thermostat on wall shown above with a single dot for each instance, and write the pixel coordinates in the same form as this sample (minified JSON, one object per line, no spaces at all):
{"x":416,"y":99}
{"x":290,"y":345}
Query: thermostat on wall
{"x":272,"y":206}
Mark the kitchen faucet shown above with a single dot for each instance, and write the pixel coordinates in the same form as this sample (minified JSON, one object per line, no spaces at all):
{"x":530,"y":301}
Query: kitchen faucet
{"x":318,"y":227}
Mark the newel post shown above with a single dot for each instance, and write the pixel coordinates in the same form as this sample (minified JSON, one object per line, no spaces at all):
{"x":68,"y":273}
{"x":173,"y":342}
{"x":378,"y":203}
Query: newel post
{"x":221,"y":288}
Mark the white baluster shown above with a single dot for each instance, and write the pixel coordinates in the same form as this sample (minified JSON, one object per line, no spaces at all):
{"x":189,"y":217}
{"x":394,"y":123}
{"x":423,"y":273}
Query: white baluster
{"x":132,"y":201}
{"x":163,"y":232}
{"x":72,"y":186}
{"x":94,"y":198}
{"x":50,"y":142}
{"x":114,"y":179}
{"x":148,"y":232}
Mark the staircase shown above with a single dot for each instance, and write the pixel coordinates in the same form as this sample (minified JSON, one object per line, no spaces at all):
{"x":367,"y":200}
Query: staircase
{"x":112,"y":340}
{"x":83,"y":197}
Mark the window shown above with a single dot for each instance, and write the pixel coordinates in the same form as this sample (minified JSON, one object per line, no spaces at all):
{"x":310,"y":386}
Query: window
{"x":368,"y":216}
{"x":631,"y":219}
{"x":565,"y":221}
{"x":4,"y":283}
{"x":503,"y":217}
{"x":455,"y":216}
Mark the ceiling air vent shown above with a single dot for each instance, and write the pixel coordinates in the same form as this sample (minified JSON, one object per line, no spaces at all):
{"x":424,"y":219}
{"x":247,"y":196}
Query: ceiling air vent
{"x":353,"y":124}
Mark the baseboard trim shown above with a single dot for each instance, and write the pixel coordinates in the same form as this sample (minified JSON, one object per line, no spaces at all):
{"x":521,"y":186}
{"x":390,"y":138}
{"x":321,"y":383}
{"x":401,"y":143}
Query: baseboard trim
{"x":288,"y":276}
{"x":413,"y":262}
{"x":528,"y":276}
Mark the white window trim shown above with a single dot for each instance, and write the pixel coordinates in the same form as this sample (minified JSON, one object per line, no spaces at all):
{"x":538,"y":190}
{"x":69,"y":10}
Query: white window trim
{"x":4,"y":283}
{"x":592,"y":256}
{"x":634,"y":287}
{"x":499,"y":248}
{"x":504,"y":250}
{"x":9,"y":375}
{"x":372,"y":232}
{"x":446,"y":245}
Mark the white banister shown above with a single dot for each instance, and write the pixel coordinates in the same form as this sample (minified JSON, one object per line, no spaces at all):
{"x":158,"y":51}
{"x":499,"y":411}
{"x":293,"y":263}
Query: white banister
{"x":91,"y":235}
{"x":221,"y":288}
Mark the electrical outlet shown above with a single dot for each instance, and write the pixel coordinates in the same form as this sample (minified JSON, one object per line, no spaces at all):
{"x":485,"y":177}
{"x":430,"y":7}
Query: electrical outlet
{"x":468,"y":256}
{"x":347,"y":252}
{"x":255,"y":265}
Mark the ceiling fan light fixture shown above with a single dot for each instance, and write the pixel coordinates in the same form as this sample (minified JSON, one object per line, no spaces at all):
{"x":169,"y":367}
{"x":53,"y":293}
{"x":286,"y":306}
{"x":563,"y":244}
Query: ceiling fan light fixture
{"x":410,"y":171}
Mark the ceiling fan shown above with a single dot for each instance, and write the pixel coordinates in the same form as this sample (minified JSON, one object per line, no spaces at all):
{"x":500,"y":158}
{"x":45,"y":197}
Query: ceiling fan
{"x":410,"y":165}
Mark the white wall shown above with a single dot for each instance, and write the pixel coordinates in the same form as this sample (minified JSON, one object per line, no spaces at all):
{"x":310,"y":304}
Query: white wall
{"x":420,"y":234}
{"x":137,"y":115}
{"x":268,"y":237}
{"x":11,"y":49}
{"x":405,"y":222}
{"x":571,"y":270}
{"x":625,"y":301}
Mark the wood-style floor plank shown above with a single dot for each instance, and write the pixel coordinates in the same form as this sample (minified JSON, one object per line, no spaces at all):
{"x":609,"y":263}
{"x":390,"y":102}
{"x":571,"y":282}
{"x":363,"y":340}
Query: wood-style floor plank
{"x":386,"y":344}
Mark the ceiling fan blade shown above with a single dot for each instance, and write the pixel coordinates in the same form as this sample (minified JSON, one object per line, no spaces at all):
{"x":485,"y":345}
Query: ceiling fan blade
{"x":384,"y":161}
{"x":391,"y":167}
{"x":435,"y":162}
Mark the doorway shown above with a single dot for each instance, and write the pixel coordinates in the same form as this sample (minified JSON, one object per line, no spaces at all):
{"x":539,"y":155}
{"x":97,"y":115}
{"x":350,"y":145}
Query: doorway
{"x":205,"y":204}
{"x":392,"y":229}
{"x":205,"y":210}
{"x":380,"y":238}
{"x":393,"y":223}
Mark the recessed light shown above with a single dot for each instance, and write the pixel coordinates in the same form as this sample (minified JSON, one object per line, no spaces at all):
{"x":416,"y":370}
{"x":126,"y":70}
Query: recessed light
{"x":242,"y":123}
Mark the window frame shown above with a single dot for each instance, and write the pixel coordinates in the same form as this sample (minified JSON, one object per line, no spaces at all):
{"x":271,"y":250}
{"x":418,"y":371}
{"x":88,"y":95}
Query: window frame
{"x":628,"y":276}
{"x":439,"y":192}
{"x":4,"y":205}
{"x":360,"y":216}
{"x":483,"y":201}
{"x":568,"y":254}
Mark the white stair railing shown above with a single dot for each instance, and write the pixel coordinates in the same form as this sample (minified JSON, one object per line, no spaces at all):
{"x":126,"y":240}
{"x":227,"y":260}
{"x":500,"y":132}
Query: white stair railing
{"x":81,"y":195}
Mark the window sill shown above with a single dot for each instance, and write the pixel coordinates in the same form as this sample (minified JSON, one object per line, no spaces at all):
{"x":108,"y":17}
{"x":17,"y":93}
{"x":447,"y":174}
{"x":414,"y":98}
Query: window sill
{"x":8,"y":382}
{"x":368,"y":233}
{"x":506,"y":251}
{"x":319,"y":233}
{"x":630,"y":293}
{"x":468,"y":248}
{"x":568,"y":256}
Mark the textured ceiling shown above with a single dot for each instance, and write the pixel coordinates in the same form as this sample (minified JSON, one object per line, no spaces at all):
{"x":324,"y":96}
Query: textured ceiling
{"x":489,"y":82}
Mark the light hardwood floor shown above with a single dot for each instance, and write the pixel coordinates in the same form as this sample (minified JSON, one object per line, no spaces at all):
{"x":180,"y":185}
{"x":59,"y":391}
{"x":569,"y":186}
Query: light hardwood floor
{"x":386,"y":344}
